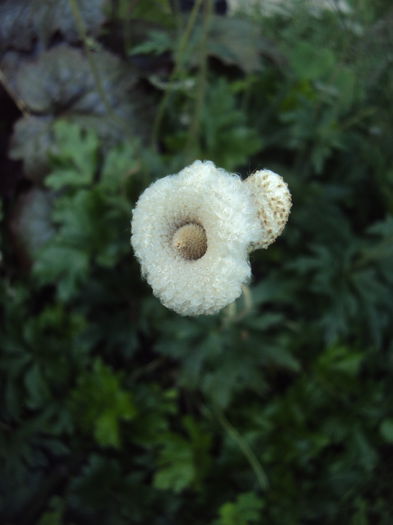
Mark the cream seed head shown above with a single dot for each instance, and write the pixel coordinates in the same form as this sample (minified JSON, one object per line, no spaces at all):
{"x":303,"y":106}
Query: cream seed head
{"x":190,"y":241}
{"x":273,"y":202}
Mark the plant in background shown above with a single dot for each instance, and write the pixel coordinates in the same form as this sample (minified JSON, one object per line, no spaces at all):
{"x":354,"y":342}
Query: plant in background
{"x":192,"y":233}
{"x":115,"y":410}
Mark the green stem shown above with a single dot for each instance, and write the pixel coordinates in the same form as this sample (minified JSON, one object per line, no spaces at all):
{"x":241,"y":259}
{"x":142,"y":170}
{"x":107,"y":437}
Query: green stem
{"x":245,"y":449}
{"x":81,"y":27}
{"x":179,"y":56}
{"x":231,"y":315}
{"x":193,"y":135}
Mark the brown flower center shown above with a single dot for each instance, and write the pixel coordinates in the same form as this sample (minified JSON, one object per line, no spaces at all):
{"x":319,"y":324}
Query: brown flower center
{"x":190,"y":241}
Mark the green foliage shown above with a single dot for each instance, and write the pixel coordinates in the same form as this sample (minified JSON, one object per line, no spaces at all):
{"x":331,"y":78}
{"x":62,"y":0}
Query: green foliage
{"x":98,"y":403}
{"x":225,"y":134}
{"x":244,"y":511}
{"x":152,"y":11}
{"x":157,"y":42}
{"x":183,"y":462}
{"x":386,"y":430}
{"x":117,"y":411}
{"x":93,"y":92}
{"x":86,"y":218}
{"x":55,"y":515}
{"x":238,"y":42}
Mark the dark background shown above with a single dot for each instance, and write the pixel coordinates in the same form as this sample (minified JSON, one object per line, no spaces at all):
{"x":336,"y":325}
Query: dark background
{"x":115,"y":410}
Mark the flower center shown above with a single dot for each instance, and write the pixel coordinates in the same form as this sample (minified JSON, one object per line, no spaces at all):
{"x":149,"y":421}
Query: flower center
{"x":190,"y":241}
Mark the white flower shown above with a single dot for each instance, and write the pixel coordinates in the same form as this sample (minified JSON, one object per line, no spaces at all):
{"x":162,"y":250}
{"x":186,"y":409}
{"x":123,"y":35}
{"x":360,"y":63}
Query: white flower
{"x":192,"y":233}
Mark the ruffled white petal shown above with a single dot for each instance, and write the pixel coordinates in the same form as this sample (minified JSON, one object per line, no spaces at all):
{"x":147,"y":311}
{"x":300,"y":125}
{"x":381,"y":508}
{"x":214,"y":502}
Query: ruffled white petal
{"x":223,"y":206}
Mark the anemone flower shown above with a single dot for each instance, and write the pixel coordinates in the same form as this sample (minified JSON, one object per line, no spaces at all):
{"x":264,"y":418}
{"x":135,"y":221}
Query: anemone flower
{"x":192,"y":233}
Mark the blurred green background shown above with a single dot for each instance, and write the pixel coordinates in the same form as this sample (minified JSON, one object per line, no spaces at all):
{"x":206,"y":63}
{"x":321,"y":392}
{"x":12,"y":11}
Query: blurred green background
{"x":115,"y":410}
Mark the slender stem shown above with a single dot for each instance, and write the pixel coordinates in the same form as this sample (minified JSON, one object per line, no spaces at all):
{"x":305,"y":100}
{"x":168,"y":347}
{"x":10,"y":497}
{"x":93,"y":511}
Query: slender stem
{"x":231,"y":315}
{"x":245,"y":449}
{"x":81,"y":27}
{"x":179,"y":56}
{"x":247,"y":297}
{"x":193,"y":135}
